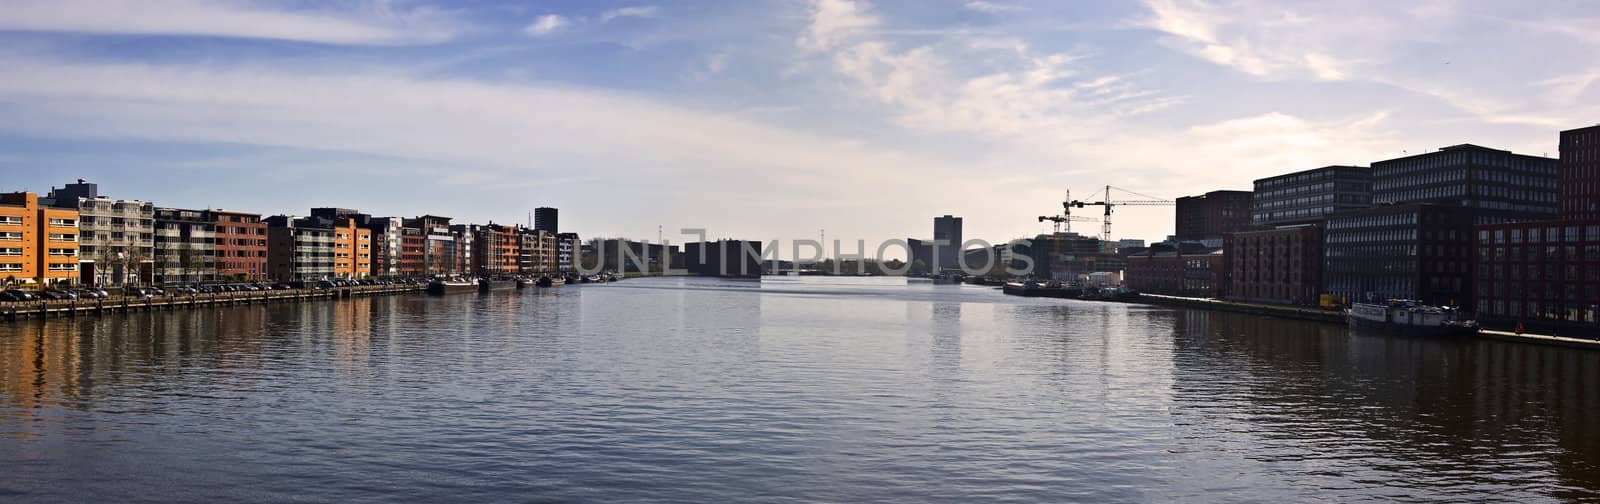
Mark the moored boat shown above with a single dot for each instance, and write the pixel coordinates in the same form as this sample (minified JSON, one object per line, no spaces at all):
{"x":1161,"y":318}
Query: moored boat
{"x":486,"y":285}
{"x":1411,"y":318}
{"x":441,"y":286}
{"x":1031,"y":288}
{"x":544,"y":281}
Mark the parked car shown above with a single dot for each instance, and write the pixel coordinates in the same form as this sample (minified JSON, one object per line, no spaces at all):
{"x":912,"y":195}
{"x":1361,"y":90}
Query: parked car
{"x":326,"y":285}
{"x":8,"y":296}
{"x":60,"y":295}
{"x":283,"y":286}
{"x":138,"y":292}
{"x":90,"y":294}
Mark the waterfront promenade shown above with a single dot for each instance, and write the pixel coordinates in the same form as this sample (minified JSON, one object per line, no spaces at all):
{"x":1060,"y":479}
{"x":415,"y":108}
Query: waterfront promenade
{"x":117,"y":303}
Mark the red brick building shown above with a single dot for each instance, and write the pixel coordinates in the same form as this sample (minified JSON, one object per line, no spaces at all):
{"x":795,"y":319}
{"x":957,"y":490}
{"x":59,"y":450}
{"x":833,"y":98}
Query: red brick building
{"x":1547,"y":273}
{"x":241,"y":245}
{"x":1196,"y":274}
{"x":1275,"y":266}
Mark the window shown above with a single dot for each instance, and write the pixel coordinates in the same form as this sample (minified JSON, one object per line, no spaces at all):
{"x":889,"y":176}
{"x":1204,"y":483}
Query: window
{"x":11,"y":252}
{"x":10,"y":236}
{"x":64,"y":252}
{"x":10,"y":220}
{"x":10,"y":267}
{"x":63,"y":237}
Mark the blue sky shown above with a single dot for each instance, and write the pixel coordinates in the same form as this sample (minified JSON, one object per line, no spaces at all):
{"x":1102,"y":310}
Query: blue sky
{"x":766,"y":119}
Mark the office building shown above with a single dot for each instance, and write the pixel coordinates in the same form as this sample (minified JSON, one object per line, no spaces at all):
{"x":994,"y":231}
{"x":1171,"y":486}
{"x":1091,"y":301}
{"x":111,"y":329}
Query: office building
{"x":1417,"y":251}
{"x":185,"y":246}
{"x":1168,"y":271}
{"x":1206,"y":218}
{"x":38,"y":243}
{"x":724,"y":258}
{"x":1308,"y":197}
{"x":1501,"y":185}
{"x":547,"y":219}
{"x":1580,"y":174}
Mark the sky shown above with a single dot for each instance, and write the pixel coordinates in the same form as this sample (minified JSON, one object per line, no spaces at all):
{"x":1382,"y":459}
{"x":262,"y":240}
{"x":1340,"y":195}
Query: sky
{"x":764,"y":119}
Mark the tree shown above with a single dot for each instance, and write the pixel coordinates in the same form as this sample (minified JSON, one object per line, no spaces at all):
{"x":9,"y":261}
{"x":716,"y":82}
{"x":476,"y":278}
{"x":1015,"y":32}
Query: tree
{"x":186,"y":262}
{"x":104,"y":258}
{"x":132,"y":260}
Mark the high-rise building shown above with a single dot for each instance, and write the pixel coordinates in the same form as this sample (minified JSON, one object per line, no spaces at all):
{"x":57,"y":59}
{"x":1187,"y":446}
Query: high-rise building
{"x":116,"y":237}
{"x":1503,"y":186}
{"x":1308,"y":197}
{"x":1580,"y":173}
{"x":1211,"y":215}
{"x":241,"y":245}
{"x":947,"y":241}
{"x":1417,"y":251}
{"x":546,"y":219}
{"x":299,"y":249}
{"x":186,"y":246}
{"x":38,"y":243}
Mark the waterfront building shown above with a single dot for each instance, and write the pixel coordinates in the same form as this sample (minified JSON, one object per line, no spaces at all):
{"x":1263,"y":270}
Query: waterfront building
{"x":38,"y":243}
{"x":1501,"y":185}
{"x":299,"y":249}
{"x":352,"y":248}
{"x":438,"y":246}
{"x":547,"y":219}
{"x":459,"y":260}
{"x":241,"y":245}
{"x":919,"y":254}
{"x":1418,"y":251}
{"x":185,"y":246}
{"x":724,"y":258}
{"x":947,"y":230}
{"x":567,"y":251}
{"x":1206,"y":218}
{"x":1308,"y":197}
{"x":1547,"y":273}
{"x":386,"y":238}
{"x":496,"y":250}
{"x":1128,"y":244}
{"x":413,"y":252}
{"x":1168,"y":271}
{"x":538,"y":251}
{"x":635,"y":256}
{"x":116,"y":238}
{"x":1275,"y":266}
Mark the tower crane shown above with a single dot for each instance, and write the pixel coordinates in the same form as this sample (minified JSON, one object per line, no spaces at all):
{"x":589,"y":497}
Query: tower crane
{"x":1108,"y":202}
{"x":1066,"y":216}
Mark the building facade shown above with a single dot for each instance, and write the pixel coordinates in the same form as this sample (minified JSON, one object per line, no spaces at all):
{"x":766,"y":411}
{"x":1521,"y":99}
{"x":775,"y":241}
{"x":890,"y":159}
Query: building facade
{"x":241,"y":245}
{"x":299,"y":249}
{"x":413,"y":252}
{"x":38,"y":243}
{"x":496,"y":249}
{"x":1308,"y":197}
{"x":1200,"y":273}
{"x":567,"y":247}
{"x":438,"y":246}
{"x":1580,"y":174}
{"x":116,"y":243}
{"x":386,"y":237}
{"x":352,"y":248}
{"x":186,"y":246}
{"x":1415,"y":251}
{"x":1275,"y":266}
{"x":1503,"y":186}
{"x":1210,"y":216}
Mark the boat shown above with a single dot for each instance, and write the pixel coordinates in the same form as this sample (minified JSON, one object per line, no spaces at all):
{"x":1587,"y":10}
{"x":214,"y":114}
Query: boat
{"x":486,"y":285}
{"x":544,"y":281}
{"x":1411,"y":318}
{"x":523,"y":283}
{"x":441,"y":286}
{"x":949,"y":279}
{"x":1032,"y":288}
{"x":1110,"y":294}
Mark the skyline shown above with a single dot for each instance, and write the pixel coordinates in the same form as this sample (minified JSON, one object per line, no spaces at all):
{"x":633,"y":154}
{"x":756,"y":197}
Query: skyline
{"x":866,"y":119}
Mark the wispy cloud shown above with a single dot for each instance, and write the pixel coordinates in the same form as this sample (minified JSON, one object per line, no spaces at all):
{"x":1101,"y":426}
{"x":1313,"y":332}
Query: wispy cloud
{"x":635,"y":11}
{"x":546,"y":25}
{"x":377,"y":23}
{"x":993,"y":7}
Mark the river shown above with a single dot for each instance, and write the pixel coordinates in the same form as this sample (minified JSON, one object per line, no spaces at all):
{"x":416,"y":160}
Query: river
{"x":785,"y":390}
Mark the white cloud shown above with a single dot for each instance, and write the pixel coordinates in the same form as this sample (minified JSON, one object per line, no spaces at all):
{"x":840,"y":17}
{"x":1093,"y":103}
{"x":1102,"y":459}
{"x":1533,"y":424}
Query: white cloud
{"x":374,"y":24}
{"x":833,"y":22}
{"x":635,"y":11}
{"x":993,"y":7}
{"x":545,"y":25}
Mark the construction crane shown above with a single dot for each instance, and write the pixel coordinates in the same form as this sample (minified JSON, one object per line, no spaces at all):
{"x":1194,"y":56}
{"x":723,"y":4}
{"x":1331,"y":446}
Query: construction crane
{"x":1108,"y":202}
{"x":1066,"y":216}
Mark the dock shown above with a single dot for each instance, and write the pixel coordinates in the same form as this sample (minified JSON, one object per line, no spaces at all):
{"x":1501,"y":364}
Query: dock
{"x":20,"y":310}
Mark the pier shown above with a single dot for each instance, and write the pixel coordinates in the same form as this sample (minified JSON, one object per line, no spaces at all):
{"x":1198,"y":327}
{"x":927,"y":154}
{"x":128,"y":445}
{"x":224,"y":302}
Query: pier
{"x":19,"y":310}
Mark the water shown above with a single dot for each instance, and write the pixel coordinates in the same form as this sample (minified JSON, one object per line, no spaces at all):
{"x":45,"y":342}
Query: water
{"x":787,"y":390}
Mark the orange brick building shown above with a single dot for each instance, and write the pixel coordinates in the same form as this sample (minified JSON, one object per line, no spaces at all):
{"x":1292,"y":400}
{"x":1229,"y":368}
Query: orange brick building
{"x":37,"y":244}
{"x":352,"y":250}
